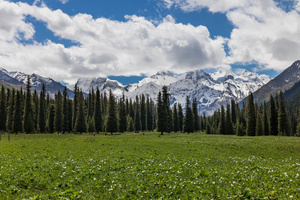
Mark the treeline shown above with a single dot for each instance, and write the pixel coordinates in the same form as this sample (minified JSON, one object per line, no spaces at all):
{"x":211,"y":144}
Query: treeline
{"x":30,"y":112}
{"x":255,"y":120}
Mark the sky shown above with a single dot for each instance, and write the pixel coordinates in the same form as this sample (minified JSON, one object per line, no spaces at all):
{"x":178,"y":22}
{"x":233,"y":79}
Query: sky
{"x":129,"y":40}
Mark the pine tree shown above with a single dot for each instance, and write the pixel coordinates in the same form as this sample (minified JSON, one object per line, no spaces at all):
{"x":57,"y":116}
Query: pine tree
{"x":137,"y":119}
{"x":228,"y":123}
{"x":35,"y":107}
{"x":65,"y":110}
{"x":196,"y":116}
{"x":180,"y":117}
{"x":167,"y":117}
{"x":208,"y":129}
{"x":75,"y":106}
{"x":42,"y":112}
{"x":50,"y":122}
{"x":233,"y":112}
{"x":112,"y":121}
{"x":273,"y":117}
{"x":97,"y":112}
{"x":80,"y":125}
{"x":28,"y":111}
{"x":175,"y":118}
{"x":11,"y":108}
{"x":222,"y":126}
{"x":130,"y":126}
{"x":70,"y":115}
{"x":122,"y":115}
{"x":91,"y":125}
{"x":283,"y":126}
{"x":259,"y":125}
{"x":251,"y":121}
{"x":58,"y":119}
{"x":17,"y":126}
{"x":265,"y":120}
{"x":149,"y":115}
{"x":160,"y":114}
{"x":143,"y":113}
{"x":3,"y":113}
{"x":188,"y":121}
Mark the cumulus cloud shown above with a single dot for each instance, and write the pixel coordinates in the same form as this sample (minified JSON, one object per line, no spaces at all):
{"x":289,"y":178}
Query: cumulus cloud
{"x":105,"y":47}
{"x":264,"y":32}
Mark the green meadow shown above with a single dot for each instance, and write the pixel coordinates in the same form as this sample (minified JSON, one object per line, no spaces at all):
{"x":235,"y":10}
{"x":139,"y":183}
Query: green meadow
{"x":137,"y":166}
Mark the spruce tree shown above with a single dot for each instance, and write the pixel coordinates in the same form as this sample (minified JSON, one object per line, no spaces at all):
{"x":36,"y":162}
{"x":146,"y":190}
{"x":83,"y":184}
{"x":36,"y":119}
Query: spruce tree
{"x":28,"y":110}
{"x":228,"y":123}
{"x":298,"y":127}
{"x":91,"y":125}
{"x":259,"y":125}
{"x":180,"y":117}
{"x":166,"y":110}
{"x":196,"y":116}
{"x":283,"y":125}
{"x":251,"y":121}
{"x":80,"y":125}
{"x":35,"y":107}
{"x":160,"y":114}
{"x":50,"y":122}
{"x":70,"y":115}
{"x":10,"y":113}
{"x":222,"y":126}
{"x":42,"y":112}
{"x":112,"y":121}
{"x":75,"y":106}
{"x":273,"y":117}
{"x":97,"y":112}
{"x":137,"y":119}
{"x":65,"y":110}
{"x":175,"y":118}
{"x":149,"y":115}
{"x":3,"y":113}
{"x":188,"y":121}
{"x":130,"y":126}
{"x":233,"y":112}
{"x":143,"y":113}
{"x":17,"y":126}
{"x":58,"y":119}
{"x":265,"y":120}
{"x":122,"y":115}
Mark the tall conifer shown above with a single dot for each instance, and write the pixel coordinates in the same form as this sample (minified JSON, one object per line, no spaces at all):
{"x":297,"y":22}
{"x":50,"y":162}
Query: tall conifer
{"x":10,"y":113}
{"x":273,"y":117}
{"x":58,"y":119}
{"x":112,"y":121}
{"x":28,"y":111}
{"x":80,"y":125}
{"x":97,"y":112}
{"x":3,"y":113}
{"x":188,"y":121}
{"x":265,"y":120}
{"x":251,"y":120}
{"x":283,"y":125}
{"x":228,"y":122}
{"x":222,"y":126}
{"x":17,"y":126}
{"x":196,"y":116}
{"x":42,"y":112}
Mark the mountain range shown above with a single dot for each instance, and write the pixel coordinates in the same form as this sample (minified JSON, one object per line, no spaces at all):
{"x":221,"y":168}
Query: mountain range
{"x":211,"y":90}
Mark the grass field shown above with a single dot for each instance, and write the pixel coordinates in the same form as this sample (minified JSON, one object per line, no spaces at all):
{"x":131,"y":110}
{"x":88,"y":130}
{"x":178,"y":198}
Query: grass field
{"x":136,"y":166}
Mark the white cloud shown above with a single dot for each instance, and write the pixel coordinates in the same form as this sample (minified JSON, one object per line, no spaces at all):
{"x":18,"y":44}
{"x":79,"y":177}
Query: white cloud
{"x":264,"y":33}
{"x":106,"y":47}
{"x":64,"y":1}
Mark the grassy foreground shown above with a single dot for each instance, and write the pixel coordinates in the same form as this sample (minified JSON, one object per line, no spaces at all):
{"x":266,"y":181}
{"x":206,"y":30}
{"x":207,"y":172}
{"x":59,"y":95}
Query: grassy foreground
{"x":136,"y":166}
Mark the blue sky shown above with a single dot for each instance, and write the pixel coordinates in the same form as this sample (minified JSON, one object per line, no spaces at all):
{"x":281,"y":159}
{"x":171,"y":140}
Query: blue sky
{"x":129,"y":40}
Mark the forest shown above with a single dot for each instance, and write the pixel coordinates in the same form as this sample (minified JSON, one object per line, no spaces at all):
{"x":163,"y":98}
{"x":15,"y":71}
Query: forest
{"x":97,"y":112}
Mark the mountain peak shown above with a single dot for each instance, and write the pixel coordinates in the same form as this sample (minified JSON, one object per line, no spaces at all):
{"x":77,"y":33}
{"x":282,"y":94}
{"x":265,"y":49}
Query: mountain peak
{"x":164,"y":73}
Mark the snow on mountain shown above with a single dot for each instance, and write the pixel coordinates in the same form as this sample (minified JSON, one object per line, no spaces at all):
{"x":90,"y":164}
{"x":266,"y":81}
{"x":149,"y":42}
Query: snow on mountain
{"x":210,"y":90}
{"x":37,"y":81}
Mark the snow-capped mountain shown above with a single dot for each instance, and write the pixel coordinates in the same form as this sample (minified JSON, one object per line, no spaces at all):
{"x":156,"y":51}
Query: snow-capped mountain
{"x":210,"y":90}
{"x":19,"y":78}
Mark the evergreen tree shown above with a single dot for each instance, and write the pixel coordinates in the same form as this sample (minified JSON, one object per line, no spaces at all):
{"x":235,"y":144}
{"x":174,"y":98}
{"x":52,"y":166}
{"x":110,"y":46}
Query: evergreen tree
{"x":91,"y":125}
{"x":228,"y":123}
{"x":28,"y":111}
{"x":143,"y":113}
{"x":80,"y":125}
{"x":222,"y":126}
{"x":149,"y":115}
{"x":196,"y":116}
{"x":42,"y":117}
{"x":251,"y":121}
{"x":259,"y":125}
{"x":265,"y":120}
{"x":10,"y":114}
{"x":75,"y":106}
{"x":160,"y":114}
{"x":240,"y":129}
{"x":167,"y":117}
{"x":130,"y":126}
{"x":70,"y":115}
{"x":58,"y":119}
{"x":298,"y":127}
{"x":233,"y":111}
{"x":283,"y":126}
{"x":188,"y":121}
{"x":112,"y":121}
{"x":175,"y":118}
{"x":17,"y":117}
{"x":3,"y":113}
{"x":180,"y":117}
{"x":97,"y":112}
{"x":273,"y":117}
{"x":208,"y":129}
{"x":122,"y":115}
{"x":137,"y":119}
{"x":65,"y":110}
{"x":50,"y":123}
{"x":35,"y":115}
